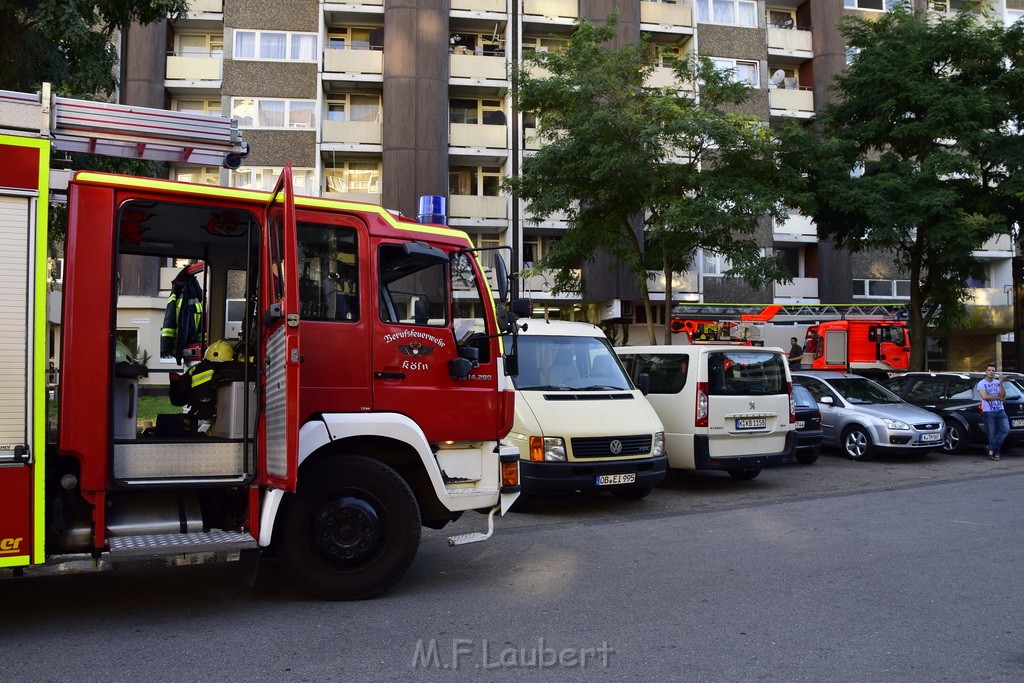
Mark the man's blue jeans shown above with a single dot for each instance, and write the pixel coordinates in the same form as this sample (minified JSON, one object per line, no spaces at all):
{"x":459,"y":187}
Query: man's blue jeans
{"x":998,"y":426}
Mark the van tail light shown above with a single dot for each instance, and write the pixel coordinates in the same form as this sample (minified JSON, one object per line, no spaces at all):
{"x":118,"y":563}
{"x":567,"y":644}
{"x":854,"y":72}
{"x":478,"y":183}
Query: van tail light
{"x":792,"y":403}
{"x":702,"y":405}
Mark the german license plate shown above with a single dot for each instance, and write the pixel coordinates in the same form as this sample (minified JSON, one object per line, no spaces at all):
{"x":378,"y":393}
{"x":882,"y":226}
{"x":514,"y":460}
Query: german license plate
{"x":751,"y":423}
{"x":1017,"y":423}
{"x":800,"y":424}
{"x":613,"y":479}
{"x":931,"y":437}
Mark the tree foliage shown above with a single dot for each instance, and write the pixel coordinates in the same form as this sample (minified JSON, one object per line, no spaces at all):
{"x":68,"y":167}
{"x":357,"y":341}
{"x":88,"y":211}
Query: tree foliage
{"x":69,"y":43}
{"x":616,"y":155}
{"x":910,"y":158}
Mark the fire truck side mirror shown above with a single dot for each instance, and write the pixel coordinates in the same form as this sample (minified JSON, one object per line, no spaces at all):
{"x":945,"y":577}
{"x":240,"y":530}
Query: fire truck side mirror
{"x":501,"y":273}
{"x":459,"y":368}
{"x":523,"y":308}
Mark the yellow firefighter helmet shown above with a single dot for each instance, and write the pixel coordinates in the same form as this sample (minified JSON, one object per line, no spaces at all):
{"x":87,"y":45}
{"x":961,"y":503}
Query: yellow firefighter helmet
{"x":220,"y":351}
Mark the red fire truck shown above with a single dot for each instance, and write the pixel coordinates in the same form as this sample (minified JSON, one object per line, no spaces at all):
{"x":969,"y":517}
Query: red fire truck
{"x":868,"y":339}
{"x":364,"y":394}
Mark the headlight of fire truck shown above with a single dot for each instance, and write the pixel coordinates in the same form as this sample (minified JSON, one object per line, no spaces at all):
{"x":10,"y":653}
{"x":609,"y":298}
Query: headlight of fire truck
{"x":547,"y":449}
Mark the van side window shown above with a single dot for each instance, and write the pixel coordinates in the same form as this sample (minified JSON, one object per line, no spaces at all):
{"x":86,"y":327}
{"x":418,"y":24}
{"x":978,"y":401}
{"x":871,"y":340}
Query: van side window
{"x":668,"y":372}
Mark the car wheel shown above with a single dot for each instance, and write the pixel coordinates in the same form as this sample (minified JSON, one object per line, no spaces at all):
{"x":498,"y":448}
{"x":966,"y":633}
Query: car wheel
{"x":631,"y":494}
{"x":956,"y":438}
{"x":745,"y":474}
{"x":857,"y":444}
{"x":808,"y":457}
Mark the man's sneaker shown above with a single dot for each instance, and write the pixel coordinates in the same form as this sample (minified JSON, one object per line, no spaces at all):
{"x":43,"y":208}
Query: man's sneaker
{"x":995,"y":456}
{"x":991,"y":453}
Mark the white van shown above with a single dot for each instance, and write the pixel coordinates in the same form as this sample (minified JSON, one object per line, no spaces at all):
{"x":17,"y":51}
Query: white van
{"x":724,"y":407}
{"x":580,"y":424}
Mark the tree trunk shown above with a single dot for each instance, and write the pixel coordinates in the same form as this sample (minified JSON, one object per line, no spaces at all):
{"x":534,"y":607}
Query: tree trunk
{"x":1018,"y":311}
{"x":668,"y":303}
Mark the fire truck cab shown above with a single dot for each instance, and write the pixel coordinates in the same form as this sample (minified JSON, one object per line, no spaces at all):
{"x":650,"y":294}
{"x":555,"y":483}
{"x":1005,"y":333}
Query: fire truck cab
{"x":864,"y":346}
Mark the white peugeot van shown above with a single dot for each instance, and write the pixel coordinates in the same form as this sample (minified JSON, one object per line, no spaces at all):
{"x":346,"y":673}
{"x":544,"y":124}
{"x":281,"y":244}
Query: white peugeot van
{"x":580,"y":424}
{"x":724,"y":407}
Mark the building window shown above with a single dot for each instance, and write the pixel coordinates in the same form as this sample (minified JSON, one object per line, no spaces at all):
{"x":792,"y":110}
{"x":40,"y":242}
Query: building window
{"x":712,"y":264}
{"x":486,"y":112}
{"x":354,"y":107}
{"x":781,"y":18}
{"x":544,"y":43}
{"x":355,"y":38}
{"x":477,"y":43}
{"x":354,"y":176}
{"x":877,"y":5}
{"x":203,"y":175}
{"x":1013,"y":16}
{"x":209,"y":107}
{"x":265,"y":178}
{"x":276,"y":46}
{"x":270,"y":113}
{"x":474,"y":180}
{"x":735,"y":12}
{"x":881,"y":289}
{"x":199,"y":45}
{"x":487,"y":256}
{"x":742,"y":71}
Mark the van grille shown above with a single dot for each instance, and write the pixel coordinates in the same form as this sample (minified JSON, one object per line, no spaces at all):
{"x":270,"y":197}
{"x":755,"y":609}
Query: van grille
{"x":601,"y":446}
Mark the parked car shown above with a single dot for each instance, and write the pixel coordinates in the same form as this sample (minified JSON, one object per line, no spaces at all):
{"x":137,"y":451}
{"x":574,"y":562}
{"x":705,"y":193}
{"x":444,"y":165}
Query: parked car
{"x":808,"y":425}
{"x":954,"y":397}
{"x":863,"y":418}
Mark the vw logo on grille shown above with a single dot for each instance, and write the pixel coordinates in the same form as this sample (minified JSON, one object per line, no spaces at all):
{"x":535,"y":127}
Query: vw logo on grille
{"x":615,"y":446}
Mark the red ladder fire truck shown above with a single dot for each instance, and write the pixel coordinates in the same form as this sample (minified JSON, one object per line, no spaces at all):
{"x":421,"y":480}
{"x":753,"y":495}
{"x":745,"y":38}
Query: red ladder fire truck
{"x":862,"y":338}
{"x":365,"y":394}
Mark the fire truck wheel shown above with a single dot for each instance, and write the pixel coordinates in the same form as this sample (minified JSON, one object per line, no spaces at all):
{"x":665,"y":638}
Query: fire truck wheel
{"x":857,"y":444}
{"x":745,"y":474}
{"x":351,"y":530}
{"x":956,"y":438}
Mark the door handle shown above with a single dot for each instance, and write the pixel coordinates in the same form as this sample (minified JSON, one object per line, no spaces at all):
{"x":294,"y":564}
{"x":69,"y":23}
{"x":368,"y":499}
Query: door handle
{"x":389,"y":375}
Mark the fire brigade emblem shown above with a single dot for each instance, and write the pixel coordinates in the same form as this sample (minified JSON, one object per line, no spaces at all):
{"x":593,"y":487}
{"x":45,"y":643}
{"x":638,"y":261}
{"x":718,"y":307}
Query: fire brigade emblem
{"x":415,"y":349}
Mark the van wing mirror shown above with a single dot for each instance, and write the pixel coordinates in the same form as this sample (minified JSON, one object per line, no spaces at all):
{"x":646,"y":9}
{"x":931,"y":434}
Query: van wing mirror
{"x":643,"y":383}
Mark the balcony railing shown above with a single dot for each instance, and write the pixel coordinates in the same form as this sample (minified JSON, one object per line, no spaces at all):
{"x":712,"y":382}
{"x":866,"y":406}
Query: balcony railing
{"x":554,"y":9}
{"x":686,"y":281}
{"x":479,"y":5}
{"x":799,"y":102}
{"x":365,"y":197}
{"x":676,"y":14}
{"x":475,"y":135}
{"x":478,"y":66}
{"x":194,"y":68}
{"x":354,"y":132}
{"x":354,"y":61}
{"x":797,"y":227}
{"x":790,"y":40}
{"x":477,"y":207}
{"x":206,"y":6}
{"x":801,"y":288}
{"x":664,"y":77}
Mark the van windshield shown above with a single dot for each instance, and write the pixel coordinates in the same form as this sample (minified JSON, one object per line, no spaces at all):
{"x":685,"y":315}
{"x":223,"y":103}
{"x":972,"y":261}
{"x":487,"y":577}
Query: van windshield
{"x":736,"y":373}
{"x":558,"y":363}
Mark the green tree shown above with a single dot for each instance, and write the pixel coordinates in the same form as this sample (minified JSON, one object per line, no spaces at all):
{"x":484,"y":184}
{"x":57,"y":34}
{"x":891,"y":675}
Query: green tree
{"x":69,"y":43}
{"x":647,"y":176}
{"x":907,"y":161}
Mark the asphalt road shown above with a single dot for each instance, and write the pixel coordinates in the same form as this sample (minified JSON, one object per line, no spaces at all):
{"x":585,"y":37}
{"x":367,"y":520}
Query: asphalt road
{"x":900,"y":569}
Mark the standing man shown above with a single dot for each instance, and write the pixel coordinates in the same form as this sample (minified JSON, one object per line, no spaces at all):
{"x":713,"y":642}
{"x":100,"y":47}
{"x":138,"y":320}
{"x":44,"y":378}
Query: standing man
{"x":796,"y":354}
{"x":996,"y":423}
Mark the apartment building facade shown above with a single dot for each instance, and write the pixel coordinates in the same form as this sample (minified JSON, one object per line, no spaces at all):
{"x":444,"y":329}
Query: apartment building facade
{"x":386,"y":100}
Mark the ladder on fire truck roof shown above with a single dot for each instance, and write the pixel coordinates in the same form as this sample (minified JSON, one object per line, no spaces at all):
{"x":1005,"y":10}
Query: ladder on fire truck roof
{"x":792,"y":313}
{"x":122,"y":130}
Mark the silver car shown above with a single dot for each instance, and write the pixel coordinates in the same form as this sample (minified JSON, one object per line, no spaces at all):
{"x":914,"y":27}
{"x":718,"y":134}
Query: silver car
{"x":863,"y":418}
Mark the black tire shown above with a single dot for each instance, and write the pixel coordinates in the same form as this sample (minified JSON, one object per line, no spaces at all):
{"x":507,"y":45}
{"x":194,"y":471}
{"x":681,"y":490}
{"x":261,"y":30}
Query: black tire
{"x":745,"y":474}
{"x":856,"y":443}
{"x":351,"y":531}
{"x":956,"y":438}
{"x":808,"y":457}
{"x":631,"y":494}
{"x":524,"y":503}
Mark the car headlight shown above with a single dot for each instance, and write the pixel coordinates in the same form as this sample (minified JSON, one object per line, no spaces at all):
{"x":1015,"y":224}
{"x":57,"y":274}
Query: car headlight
{"x":658,"y":447}
{"x":547,"y":449}
{"x":895,"y":424}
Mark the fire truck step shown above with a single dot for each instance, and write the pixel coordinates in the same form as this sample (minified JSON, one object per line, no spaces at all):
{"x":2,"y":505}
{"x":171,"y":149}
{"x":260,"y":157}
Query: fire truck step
{"x":174,"y":544}
{"x":476,"y":536}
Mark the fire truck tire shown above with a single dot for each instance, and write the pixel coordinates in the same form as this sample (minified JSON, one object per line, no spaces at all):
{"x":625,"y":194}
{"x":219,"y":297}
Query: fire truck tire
{"x":856,"y":443}
{"x":351,"y":531}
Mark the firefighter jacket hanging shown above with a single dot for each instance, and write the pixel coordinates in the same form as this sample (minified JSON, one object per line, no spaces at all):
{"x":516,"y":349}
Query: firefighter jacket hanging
{"x":183,"y":319}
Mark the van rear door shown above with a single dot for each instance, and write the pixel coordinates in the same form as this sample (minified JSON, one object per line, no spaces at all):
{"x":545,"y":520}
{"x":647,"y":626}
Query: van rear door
{"x":748,"y":402}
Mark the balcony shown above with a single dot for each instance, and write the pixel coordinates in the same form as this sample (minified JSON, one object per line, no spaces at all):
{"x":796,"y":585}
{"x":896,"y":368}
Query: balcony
{"x":364,"y":197}
{"x":194,"y":75}
{"x":686,"y":281}
{"x":352,"y":132}
{"x":479,"y":136}
{"x":796,"y":228}
{"x":478,"y":69}
{"x":206,"y":7}
{"x":790,"y":42}
{"x":667,"y":16}
{"x":802,"y":289}
{"x":664,"y":77}
{"x":791,"y":101}
{"x":477,"y":208}
{"x":999,"y":246}
{"x":539,"y":284}
{"x":476,"y":6}
{"x":352,"y":64}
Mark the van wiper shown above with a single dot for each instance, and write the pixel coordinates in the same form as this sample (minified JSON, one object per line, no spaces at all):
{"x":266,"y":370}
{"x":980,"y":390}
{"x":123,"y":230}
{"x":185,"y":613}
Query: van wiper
{"x":599,"y":387}
{"x":543,"y":387}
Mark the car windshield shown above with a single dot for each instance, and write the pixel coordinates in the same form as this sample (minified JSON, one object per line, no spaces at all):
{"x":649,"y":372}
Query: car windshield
{"x":859,"y":391}
{"x":560,"y":363}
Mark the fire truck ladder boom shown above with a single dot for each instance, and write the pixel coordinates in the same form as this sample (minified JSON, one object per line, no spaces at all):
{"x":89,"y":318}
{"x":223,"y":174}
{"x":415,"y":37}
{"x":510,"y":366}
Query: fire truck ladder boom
{"x":794,"y":313}
{"x":121,"y":130}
